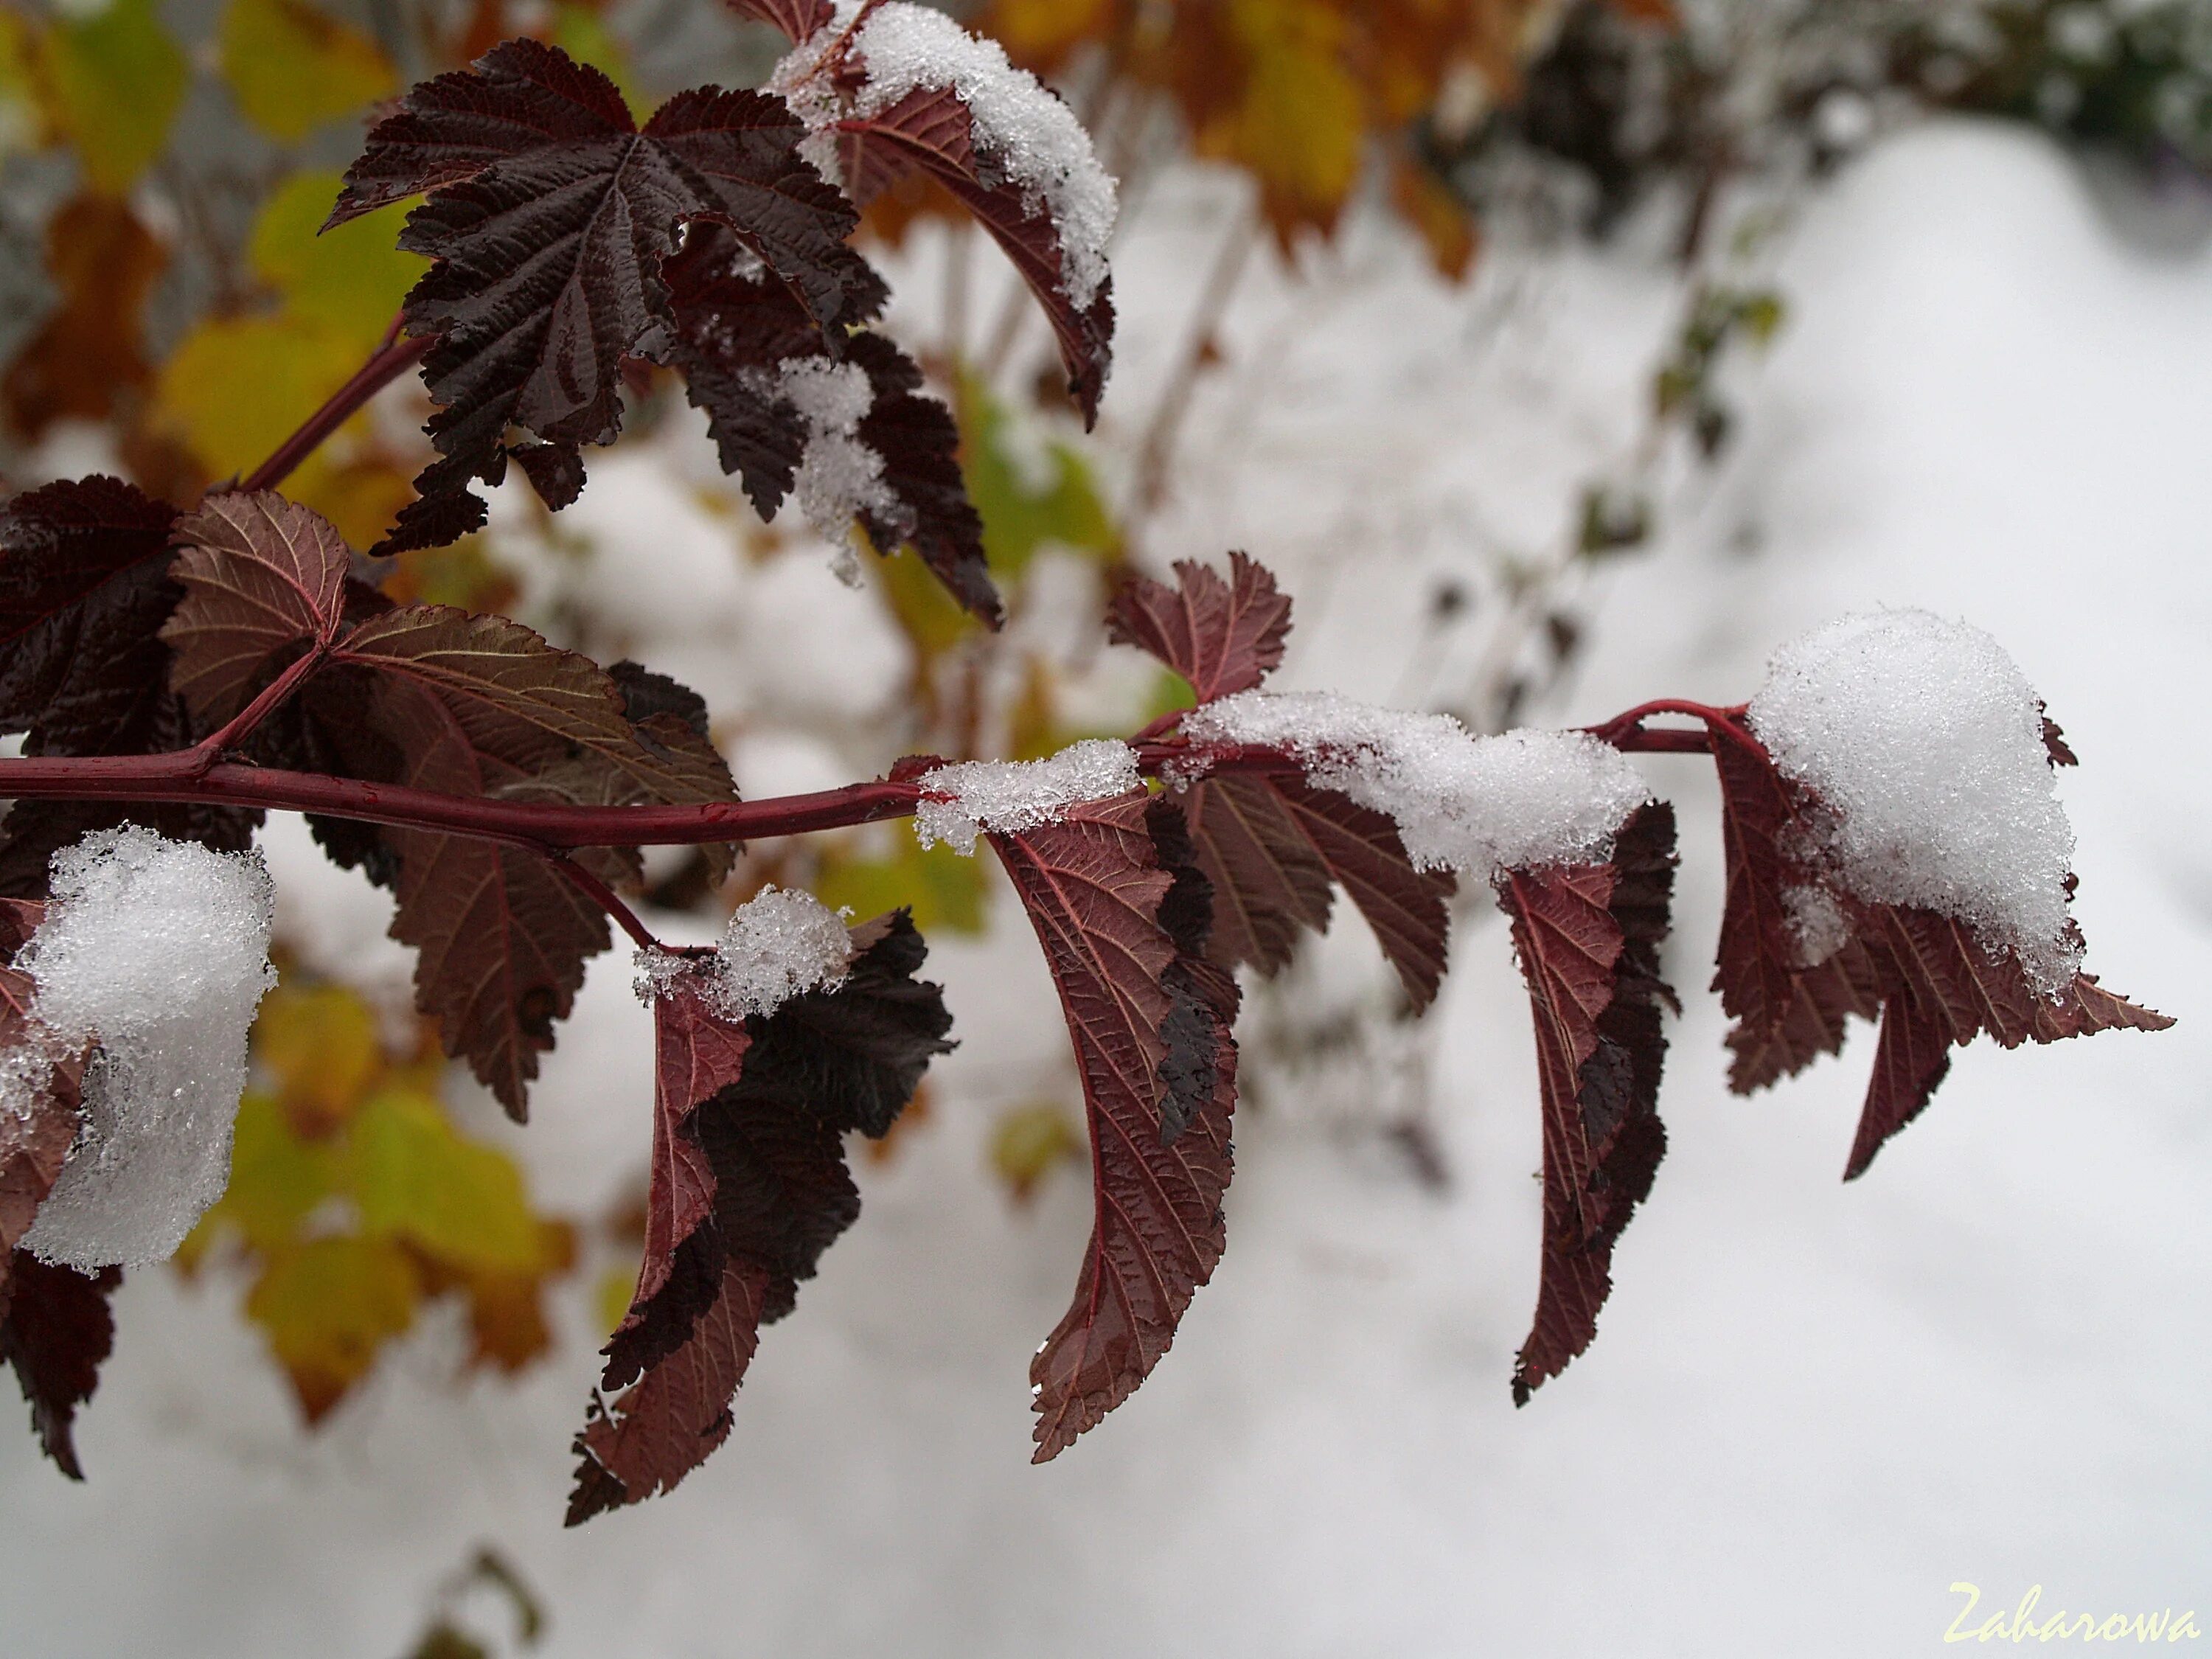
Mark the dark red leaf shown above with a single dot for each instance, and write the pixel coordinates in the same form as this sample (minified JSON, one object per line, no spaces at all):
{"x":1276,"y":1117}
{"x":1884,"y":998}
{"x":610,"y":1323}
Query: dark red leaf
{"x":732,"y":334}
{"x":1103,"y":903}
{"x":550,"y":213}
{"x":54,"y":1330}
{"x":930,"y":132}
{"x":84,"y":590}
{"x":1268,"y":879}
{"x":1408,"y":909}
{"x":749,"y":1186}
{"x":797,"y":19}
{"x":1588,"y":937}
{"x":1222,"y":636}
{"x":262,"y":579}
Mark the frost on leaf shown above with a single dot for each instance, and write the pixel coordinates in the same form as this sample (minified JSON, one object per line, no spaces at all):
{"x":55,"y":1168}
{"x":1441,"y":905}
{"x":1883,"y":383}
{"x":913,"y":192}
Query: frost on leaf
{"x":85,"y":587}
{"x":750,"y":356}
{"x":1803,"y":950}
{"x":549,"y":216}
{"x":1588,"y":937}
{"x":749,"y":1187}
{"x":157,"y":952}
{"x":1122,"y":913}
{"x":1271,"y":843}
{"x":903,"y":88}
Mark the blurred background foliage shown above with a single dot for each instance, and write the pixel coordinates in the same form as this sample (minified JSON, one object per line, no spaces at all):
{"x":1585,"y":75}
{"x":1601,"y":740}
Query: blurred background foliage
{"x":169,"y":311}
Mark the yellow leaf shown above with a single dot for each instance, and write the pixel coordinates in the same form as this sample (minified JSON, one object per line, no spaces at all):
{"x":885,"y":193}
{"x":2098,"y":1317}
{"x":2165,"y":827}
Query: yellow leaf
{"x":320,"y":1045}
{"x":237,"y":387}
{"x":276,"y":1179}
{"x":1300,"y":124}
{"x":291,"y":67}
{"x":945,"y":890}
{"x":348,"y":280}
{"x":1045,"y":29}
{"x":1029,"y":1142}
{"x":116,"y":80}
{"x":460,"y":1200}
{"x":327,"y":1306}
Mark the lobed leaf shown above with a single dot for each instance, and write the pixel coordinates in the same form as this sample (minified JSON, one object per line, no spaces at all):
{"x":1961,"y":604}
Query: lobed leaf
{"x":1222,"y":636}
{"x":262,"y":577}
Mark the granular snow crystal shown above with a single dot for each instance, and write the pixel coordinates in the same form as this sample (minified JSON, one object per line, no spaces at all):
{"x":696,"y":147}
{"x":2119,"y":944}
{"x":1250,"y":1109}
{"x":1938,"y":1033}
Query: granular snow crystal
{"x":777,"y":945}
{"x":839,"y":476}
{"x":1923,"y":742}
{"x":1518,"y":801}
{"x":962,"y":800}
{"x":158,"y":952}
{"x":1021,"y":131}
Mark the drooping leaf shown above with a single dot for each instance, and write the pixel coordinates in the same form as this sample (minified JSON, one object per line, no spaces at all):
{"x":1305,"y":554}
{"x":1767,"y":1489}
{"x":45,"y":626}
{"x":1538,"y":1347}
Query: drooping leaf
{"x":1932,"y":984}
{"x":1222,"y":636}
{"x":1588,"y":937}
{"x":749,"y":1186}
{"x":1148,"y":1019}
{"x":54,"y":1330}
{"x":930,"y":130}
{"x":84,"y":590}
{"x":550,"y":213}
{"x":733,"y":335}
{"x":1269,"y":878}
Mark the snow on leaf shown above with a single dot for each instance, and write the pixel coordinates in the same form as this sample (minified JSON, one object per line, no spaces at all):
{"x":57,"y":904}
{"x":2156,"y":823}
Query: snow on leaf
{"x":1222,"y":636}
{"x":54,"y":1330}
{"x":84,"y":589}
{"x":40,"y":1086}
{"x":749,"y":1186}
{"x":1148,"y":1020}
{"x":903,"y":88}
{"x":1933,"y":981}
{"x":261,"y":576}
{"x":742,"y":342}
{"x":1588,"y":938}
{"x":550,"y":213}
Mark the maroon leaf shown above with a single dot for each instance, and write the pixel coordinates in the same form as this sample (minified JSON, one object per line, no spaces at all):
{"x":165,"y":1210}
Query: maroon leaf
{"x":749,"y":1186}
{"x":732,"y":335}
{"x":54,"y":1330}
{"x":550,"y":213}
{"x":261,"y":577}
{"x":1928,"y":981}
{"x":1408,"y":909}
{"x":84,"y":590}
{"x":797,"y":19}
{"x":930,"y":132}
{"x":1144,"y":1010}
{"x":1268,"y":879}
{"x":1588,"y":938}
{"x":1222,"y":636}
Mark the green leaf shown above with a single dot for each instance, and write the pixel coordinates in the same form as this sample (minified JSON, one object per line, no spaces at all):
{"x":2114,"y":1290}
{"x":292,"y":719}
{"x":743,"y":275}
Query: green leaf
{"x":116,"y":80}
{"x":349,"y":281}
{"x":276,"y":1179}
{"x":1026,"y":502}
{"x":327,"y":1306}
{"x":415,"y":1178}
{"x":291,"y":68}
{"x":944,"y":890}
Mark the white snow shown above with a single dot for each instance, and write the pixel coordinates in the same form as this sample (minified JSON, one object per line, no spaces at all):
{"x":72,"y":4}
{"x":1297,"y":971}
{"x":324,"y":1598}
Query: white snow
{"x":158,"y":951}
{"x":839,"y":476}
{"x":776,"y":946}
{"x":1022,"y":131}
{"x":1516,"y":801}
{"x":1924,"y":741}
{"x":961,"y":801}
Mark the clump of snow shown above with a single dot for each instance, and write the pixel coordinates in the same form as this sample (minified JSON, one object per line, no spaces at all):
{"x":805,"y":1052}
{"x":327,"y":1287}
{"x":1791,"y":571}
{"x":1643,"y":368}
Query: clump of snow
{"x":1923,"y":742}
{"x":777,"y":945}
{"x":158,"y":952}
{"x":1817,"y":923}
{"x":1518,"y":801}
{"x":962,"y":800}
{"x":839,"y":476}
{"x":1022,"y":132}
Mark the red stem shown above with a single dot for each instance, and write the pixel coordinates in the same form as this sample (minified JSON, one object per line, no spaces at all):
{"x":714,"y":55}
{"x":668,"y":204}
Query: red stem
{"x":609,"y":901}
{"x":394,"y":360}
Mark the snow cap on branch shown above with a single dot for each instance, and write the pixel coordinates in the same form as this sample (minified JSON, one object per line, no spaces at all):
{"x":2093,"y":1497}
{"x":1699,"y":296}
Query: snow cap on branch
{"x":777,"y":945}
{"x":1020,"y":128}
{"x":158,"y":952}
{"x":1519,"y":801}
{"x":1924,"y":743}
{"x":960,"y":801}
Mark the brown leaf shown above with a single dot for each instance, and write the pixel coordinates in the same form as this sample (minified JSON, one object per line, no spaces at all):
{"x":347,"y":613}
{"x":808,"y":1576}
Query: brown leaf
{"x":262,"y":576}
{"x":88,"y":359}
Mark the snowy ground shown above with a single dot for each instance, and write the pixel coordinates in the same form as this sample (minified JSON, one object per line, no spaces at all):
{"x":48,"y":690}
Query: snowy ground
{"x":1811,"y":1408}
